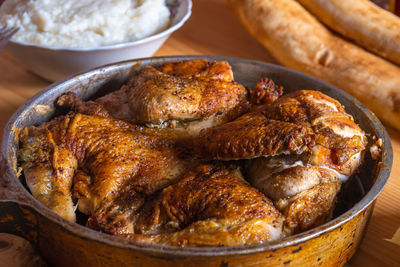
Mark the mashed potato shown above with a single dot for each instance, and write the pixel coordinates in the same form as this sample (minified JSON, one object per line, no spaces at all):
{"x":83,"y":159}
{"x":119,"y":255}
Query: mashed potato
{"x":84,"y":23}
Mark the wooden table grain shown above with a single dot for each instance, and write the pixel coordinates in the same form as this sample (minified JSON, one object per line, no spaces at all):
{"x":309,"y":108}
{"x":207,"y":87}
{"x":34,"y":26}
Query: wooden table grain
{"x":213,"y":30}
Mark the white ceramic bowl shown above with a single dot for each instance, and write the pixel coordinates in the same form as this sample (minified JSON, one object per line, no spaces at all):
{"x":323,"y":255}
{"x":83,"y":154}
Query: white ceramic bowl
{"x":55,"y":63}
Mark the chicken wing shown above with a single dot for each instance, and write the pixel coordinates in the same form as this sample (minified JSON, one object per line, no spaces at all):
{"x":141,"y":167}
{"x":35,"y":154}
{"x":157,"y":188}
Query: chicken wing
{"x":297,"y":123}
{"x":253,"y":135}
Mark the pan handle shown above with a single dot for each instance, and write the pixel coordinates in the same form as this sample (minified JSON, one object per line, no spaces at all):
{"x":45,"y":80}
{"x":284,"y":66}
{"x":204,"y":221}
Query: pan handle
{"x":16,"y":213}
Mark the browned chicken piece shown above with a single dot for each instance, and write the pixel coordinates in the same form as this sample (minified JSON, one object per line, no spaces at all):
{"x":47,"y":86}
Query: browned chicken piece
{"x":156,"y":98}
{"x":338,"y":141}
{"x":199,"y":68}
{"x":281,"y":182}
{"x":253,"y":135}
{"x":101,"y":156}
{"x":265,"y":92}
{"x":306,"y":195}
{"x":48,"y":169}
{"x":308,"y":209}
{"x":297,"y":123}
{"x":142,"y":183}
{"x":306,"y":145}
{"x":186,"y":95}
{"x":71,"y":101}
{"x":210,"y":206}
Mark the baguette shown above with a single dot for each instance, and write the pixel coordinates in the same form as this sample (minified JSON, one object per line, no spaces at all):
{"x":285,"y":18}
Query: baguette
{"x":362,"y":21}
{"x":296,"y":39}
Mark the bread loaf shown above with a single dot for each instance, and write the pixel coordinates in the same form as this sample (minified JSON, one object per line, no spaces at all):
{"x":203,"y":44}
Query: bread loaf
{"x":298,"y":40}
{"x":370,"y":26}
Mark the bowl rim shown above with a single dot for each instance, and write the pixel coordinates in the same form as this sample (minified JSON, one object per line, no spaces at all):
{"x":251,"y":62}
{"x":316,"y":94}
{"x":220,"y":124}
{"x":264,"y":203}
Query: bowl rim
{"x":159,"y":35}
{"x":382,"y":175}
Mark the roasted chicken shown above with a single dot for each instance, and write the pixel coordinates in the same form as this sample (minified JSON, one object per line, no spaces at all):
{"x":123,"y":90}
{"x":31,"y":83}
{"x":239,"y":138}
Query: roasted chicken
{"x":171,"y":171}
{"x":115,"y":170}
{"x":187,"y":96}
{"x":199,"y":68}
{"x":302,"y":146}
{"x":211,"y":206}
{"x":97,"y":157}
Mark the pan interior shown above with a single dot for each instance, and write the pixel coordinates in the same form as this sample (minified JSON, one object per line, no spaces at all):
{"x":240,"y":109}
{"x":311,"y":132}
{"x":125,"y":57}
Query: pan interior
{"x":355,"y":195}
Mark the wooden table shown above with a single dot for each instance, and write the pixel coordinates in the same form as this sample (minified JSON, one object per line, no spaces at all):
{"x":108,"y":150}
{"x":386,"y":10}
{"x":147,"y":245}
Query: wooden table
{"x":213,"y":30}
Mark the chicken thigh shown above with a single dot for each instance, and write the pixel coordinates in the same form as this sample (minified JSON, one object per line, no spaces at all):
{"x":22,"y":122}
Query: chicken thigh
{"x":211,"y":206}
{"x":184,"y":95}
{"x":97,"y":157}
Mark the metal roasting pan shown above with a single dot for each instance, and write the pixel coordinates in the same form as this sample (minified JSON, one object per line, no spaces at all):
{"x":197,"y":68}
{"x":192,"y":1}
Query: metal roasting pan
{"x":63,"y":243}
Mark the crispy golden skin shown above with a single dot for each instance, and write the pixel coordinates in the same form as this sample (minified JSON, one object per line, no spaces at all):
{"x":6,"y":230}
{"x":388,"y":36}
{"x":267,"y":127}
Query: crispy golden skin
{"x":306,"y":146}
{"x":155,"y":97}
{"x":302,"y":121}
{"x":146,"y":184}
{"x":103,"y":154}
{"x":304,"y":186}
{"x":183,"y":95}
{"x":210,"y":206}
{"x":265,"y":92}
{"x":200,"y":68}
{"x":48,"y":170}
{"x":71,"y":101}
{"x":253,"y":135}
